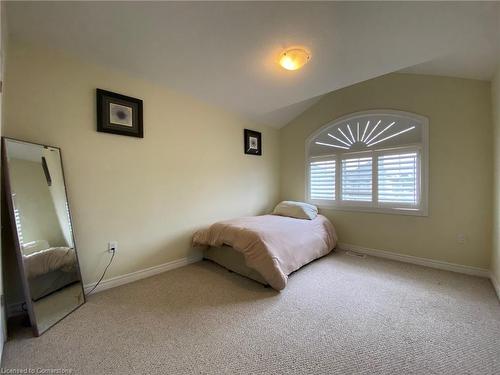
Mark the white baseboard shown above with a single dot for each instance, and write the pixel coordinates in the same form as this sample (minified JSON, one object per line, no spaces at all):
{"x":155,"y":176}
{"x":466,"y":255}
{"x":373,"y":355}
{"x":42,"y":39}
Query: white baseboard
{"x":16,"y":308}
{"x":495,"y":283}
{"x":475,"y":271}
{"x":141,"y":274}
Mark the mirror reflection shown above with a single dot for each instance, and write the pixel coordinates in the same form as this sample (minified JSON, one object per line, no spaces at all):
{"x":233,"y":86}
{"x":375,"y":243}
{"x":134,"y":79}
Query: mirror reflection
{"x":42,"y":221}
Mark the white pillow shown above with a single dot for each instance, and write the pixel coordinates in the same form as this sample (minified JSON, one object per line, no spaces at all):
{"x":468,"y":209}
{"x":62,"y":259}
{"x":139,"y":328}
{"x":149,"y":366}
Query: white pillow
{"x":298,"y":210}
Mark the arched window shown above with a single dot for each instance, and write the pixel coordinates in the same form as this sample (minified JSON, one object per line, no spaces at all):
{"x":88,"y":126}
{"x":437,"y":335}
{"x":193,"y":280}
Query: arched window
{"x":370,"y":161}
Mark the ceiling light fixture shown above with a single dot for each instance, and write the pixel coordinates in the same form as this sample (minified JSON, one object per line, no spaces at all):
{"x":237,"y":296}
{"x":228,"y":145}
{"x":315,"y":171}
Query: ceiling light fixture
{"x":294,"y":58}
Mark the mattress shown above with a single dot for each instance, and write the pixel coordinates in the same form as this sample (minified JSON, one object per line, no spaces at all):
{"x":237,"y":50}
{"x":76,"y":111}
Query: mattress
{"x":232,"y":260}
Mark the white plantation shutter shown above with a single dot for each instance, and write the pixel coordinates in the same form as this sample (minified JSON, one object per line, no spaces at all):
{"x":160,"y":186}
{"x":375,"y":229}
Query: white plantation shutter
{"x":17,"y":219}
{"x":357,"y":179}
{"x":373,"y":161}
{"x":398,"y":178}
{"x":322,"y":179}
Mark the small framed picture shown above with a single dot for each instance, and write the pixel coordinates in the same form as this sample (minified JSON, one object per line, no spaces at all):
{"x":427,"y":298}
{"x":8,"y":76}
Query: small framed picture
{"x":119,"y":114}
{"x":253,"y":142}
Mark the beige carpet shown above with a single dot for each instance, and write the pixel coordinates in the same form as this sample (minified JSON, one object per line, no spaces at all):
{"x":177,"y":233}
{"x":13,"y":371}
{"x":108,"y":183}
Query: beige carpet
{"x":339,"y":315}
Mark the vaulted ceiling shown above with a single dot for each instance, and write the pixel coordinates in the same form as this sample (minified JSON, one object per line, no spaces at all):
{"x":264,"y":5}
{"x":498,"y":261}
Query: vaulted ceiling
{"x":225,"y":53}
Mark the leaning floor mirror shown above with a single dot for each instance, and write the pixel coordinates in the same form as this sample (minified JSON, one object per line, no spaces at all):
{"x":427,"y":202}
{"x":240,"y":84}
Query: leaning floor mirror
{"x":42,"y":231}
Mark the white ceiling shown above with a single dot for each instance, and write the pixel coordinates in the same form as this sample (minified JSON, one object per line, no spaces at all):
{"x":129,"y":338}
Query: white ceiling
{"x":225,"y":53}
{"x":477,"y":62}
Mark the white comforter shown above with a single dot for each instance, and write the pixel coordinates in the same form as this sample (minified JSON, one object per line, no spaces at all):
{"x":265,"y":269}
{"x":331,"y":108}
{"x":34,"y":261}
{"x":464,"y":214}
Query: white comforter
{"x":274,"y":246}
{"x":51,"y":259}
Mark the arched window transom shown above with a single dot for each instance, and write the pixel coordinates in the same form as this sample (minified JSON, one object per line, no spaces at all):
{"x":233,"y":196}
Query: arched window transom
{"x":371,"y":161}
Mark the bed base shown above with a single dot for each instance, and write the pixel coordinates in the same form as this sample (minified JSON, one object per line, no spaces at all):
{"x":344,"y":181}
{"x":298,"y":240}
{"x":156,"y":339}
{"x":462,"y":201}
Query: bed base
{"x":233,"y":261}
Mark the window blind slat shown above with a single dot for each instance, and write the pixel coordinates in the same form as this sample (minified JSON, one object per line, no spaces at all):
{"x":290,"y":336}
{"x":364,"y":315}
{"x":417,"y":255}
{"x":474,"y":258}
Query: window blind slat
{"x":322,"y":180}
{"x":397,"y":178}
{"x":357,"y":179}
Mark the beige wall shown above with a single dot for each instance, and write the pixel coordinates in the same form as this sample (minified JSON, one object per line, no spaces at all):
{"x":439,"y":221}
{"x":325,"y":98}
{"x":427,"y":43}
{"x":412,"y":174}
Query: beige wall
{"x":495,"y":93}
{"x":33,"y":200}
{"x":149,"y":194}
{"x":58,"y":193}
{"x":460,"y":187}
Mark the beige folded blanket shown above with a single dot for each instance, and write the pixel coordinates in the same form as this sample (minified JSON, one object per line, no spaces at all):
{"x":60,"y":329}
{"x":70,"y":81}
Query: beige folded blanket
{"x":275,"y":246}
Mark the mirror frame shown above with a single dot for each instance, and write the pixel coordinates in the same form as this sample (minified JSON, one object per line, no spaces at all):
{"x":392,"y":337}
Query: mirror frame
{"x":17,"y":245}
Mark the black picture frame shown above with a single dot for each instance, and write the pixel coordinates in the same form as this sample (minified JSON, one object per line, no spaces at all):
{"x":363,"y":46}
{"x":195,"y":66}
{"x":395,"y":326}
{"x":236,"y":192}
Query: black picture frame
{"x":119,"y":114}
{"x":253,"y":142}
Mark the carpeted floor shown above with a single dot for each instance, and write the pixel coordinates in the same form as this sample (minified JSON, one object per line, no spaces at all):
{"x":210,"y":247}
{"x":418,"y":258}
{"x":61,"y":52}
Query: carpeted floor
{"x":339,"y":315}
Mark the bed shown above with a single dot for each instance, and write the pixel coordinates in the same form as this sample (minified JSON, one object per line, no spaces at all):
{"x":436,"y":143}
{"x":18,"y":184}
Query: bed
{"x":267,"y":248}
{"x":48,"y":269}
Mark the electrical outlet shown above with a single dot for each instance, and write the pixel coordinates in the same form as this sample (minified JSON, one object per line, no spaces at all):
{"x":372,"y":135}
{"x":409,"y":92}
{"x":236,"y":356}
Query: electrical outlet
{"x":461,"y":238}
{"x":113,"y":246}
